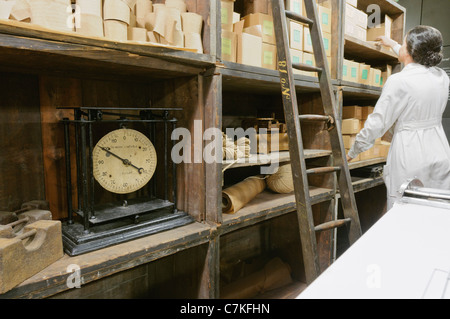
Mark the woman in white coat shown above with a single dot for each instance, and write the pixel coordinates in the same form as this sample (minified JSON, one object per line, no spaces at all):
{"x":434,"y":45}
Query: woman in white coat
{"x":414,"y":100}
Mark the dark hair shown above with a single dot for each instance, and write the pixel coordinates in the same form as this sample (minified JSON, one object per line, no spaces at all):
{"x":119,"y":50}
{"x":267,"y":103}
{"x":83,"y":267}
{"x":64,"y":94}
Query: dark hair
{"x":424,"y":44}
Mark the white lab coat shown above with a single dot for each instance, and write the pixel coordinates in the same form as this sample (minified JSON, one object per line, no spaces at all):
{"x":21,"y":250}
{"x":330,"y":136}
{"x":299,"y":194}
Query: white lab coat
{"x":414,"y":100}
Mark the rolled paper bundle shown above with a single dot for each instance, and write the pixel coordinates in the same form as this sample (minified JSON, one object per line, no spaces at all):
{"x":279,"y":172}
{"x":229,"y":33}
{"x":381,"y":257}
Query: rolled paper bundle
{"x":116,"y":10}
{"x":178,"y":4}
{"x":142,"y":8}
{"x":52,"y":14}
{"x":90,"y":25}
{"x":137,"y":34}
{"x":178,"y":38}
{"x":175,"y":14}
{"x":130,"y":3}
{"x":21,"y":10}
{"x":281,"y":181}
{"x":153,"y":37}
{"x":116,"y":30}
{"x":132,"y":20}
{"x":237,"y":196}
{"x":161,"y":19}
{"x":5,"y":8}
{"x":193,"y":41}
{"x":150,"y":20}
{"x":92,"y":7}
{"x":191,"y":22}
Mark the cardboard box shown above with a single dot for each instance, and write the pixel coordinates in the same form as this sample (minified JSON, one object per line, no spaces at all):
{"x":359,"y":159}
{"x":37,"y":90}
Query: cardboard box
{"x":266,"y":23}
{"x":369,"y":154}
{"x":355,"y":112}
{"x":257,"y":6}
{"x":351,"y":126}
{"x":248,"y":46}
{"x":346,"y":70}
{"x":307,"y":43}
{"x":269,"y":56}
{"x":375,"y":77}
{"x":228,"y":46}
{"x":326,"y":37}
{"x":352,"y":69}
{"x":295,"y":35}
{"x":355,"y":31}
{"x":357,"y":16}
{"x":226,"y":14}
{"x":295,"y":6}
{"x":265,"y":142}
{"x":324,"y":18}
{"x":309,"y":59}
{"x":366,"y":111}
{"x":296,"y":57}
{"x":381,"y":30}
{"x":349,"y":140}
{"x":364,"y":73}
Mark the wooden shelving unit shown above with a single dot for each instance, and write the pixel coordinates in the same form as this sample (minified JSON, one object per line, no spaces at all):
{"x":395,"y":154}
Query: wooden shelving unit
{"x":68,"y":70}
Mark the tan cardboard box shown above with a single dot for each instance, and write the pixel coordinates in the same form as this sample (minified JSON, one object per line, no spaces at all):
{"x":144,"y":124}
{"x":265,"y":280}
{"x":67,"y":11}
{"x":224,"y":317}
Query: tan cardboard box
{"x":359,"y":17}
{"x":257,"y":6}
{"x":308,"y":58}
{"x":269,"y":56}
{"x":353,"y":71}
{"x":355,"y":31}
{"x":369,"y":154}
{"x":364,"y":72}
{"x":295,"y":6}
{"x":375,"y":77}
{"x":355,"y":112}
{"x":366,"y":111}
{"x":307,"y":43}
{"x":248,"y":46}
{"x":228,"y":46}
{"x":346,"y":70}
{"x":349,"y":140}
{"x":295,"y":35}
{"x":324,"y":18}
{"x":226,"y":14}
{"x":296,"y":57}
{"x":351,"y":126}
{"x":266,"y":23}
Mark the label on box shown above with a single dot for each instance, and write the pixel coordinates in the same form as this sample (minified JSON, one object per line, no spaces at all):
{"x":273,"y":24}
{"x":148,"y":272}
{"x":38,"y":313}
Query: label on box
{"x":377,"y":78}
{"x":353,"y":74}
{"x":344,"y":70}
{"x":309,"y":62}
{"x":267,"y":57}
{"x":297,"y":8}
{"x":326,"y":44}
{"x":297,"y":36}
{"x":268,"y":27}
{"x":325,"y":18}
{"x":295,"y":59}
{"x":365,"y":74}
{"x":226,"y":46}
{"x":224,"y":14}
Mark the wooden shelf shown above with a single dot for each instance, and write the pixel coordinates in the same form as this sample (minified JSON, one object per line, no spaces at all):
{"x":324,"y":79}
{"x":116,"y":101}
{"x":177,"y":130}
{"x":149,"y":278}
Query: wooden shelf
{"x":241,"y":77}
{"x":361,"y":184}
{"x":267,"y":205}
{"x":372,"y":161}
{"x":265,"y":159}
{"x":368,"y":52}
{"x":357,"y":91}
{"x":110,"y":260}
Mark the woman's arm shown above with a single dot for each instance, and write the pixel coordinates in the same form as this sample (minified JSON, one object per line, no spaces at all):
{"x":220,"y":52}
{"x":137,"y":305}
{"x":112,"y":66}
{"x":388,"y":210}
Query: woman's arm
{"x":387,"y":42}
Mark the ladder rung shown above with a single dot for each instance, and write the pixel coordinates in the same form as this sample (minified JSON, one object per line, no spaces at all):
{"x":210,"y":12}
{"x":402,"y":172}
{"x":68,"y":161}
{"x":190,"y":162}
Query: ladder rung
{"x":332,"y":224}
{"x":306,"y":67}
{"x":315,"y":117}
{"x":295,"y":16}
{"x":323,"y":170}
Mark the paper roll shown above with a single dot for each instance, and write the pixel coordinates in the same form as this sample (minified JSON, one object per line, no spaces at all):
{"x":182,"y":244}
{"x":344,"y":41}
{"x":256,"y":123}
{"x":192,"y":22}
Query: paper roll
{"x":92,"y":7}
{"x":21,"y":10}
{"x":5,"y":8}
{"x":116,"y":10}
{"x":116,"y":30}
{"x":150,"y":20}
{"x":178,"y":4}
{"x":237,"y":196}
{"x":153,"y":36}
{"x":193,"y":41}
{"x":143,"y":7}
{"x":90,"y":25}
{"x":191,"y":22}
{"x":130,"y":3}
{"x":54,"y":15}
{"x":161,"y":19}
{"x":137,"y":34}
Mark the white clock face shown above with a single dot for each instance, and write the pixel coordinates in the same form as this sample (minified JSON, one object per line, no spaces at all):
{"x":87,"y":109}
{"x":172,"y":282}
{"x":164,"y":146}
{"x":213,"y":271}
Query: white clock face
{"x":124,"y":161}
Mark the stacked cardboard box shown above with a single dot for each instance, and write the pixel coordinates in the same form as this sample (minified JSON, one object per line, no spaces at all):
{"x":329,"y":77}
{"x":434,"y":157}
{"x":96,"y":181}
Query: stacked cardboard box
{"x":361,"y":73}
{"x":355,"y":21}
{"x":353,"y":120}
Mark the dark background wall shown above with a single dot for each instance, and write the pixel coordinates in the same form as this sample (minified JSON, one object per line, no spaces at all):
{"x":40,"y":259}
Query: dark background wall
{"x":434,"y":13}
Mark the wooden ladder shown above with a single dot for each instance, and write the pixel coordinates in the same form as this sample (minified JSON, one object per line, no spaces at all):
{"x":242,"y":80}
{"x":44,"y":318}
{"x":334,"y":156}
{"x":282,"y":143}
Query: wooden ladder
{"x":293,"y":118}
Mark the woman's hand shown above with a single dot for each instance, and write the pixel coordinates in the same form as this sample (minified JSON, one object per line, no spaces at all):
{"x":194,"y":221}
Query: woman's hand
{"x":349,"y":158}
{"x":386,"y":41}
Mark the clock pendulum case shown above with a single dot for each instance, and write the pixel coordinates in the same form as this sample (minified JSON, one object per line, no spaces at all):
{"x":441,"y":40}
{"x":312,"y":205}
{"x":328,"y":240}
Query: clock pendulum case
{"x":120,"y":167}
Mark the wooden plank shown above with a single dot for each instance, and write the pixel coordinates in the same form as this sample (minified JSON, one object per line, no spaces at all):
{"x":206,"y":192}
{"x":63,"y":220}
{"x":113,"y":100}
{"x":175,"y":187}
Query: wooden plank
{"x":104,"y":262}
{"x":57,"y":92}
{"x":22,"y":175}
{"x":370,"y":53}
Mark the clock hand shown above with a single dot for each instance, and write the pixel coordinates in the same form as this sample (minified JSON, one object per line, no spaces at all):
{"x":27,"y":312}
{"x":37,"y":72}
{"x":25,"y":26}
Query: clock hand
{"x":125,"y":161}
